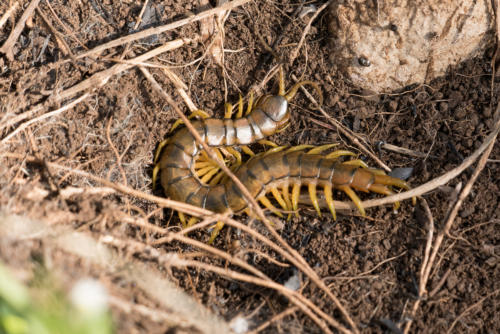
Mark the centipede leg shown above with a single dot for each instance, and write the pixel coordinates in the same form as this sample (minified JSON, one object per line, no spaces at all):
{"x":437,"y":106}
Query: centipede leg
{"x":191,"y":221}
{"x":156,"y":169}
{"x":320,"y":149}
{"x":182,"y":218}
{"x":286,"y":197}
{"x":339,"y":153}
{"x":314,"y":198}
{"x":216,"y":229}
{"x":295,"y":198}
{"x":247,"y":150}
{"x":384,"y":190}
{"x":329,"y":200}
{"x":197,"y":113}
{"x":267,"y":142}
{"x":279,"y":198}
{"x":267,"y":203}
{"x":239,"y":114}
{"x":352,"y":195}
{"x":356,"y":162}
{"x":250,"y":104}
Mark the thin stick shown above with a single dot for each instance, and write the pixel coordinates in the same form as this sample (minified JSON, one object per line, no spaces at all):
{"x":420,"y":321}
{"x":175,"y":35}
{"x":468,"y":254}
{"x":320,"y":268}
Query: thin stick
{"x":8,"y":13}
{"x":42,"y":117}
{"x":479,"y":302}
{"x":95,"y":81}
{"x":277,"y":317}
{"x":449,"y":222}
{"x":429,"y":186}
{"x":161,"y":29}
{"x":403,"y":150}
{"x":295,"y":52}
{"x":14,"y":35}
{"x":346,"y":132}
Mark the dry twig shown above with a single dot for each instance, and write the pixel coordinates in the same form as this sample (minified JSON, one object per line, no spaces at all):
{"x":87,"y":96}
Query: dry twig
{"x":14,"y":35}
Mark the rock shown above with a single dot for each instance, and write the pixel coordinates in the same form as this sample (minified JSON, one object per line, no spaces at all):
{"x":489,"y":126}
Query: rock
{"x":387,"y":45}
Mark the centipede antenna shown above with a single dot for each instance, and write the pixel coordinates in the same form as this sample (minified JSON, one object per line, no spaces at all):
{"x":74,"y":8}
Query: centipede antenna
{"x":352,"y":195}
{"x":329,"y":200}
{"x":293,"y":90}
{"x":314,"y":198}
{"x":281,"y":82}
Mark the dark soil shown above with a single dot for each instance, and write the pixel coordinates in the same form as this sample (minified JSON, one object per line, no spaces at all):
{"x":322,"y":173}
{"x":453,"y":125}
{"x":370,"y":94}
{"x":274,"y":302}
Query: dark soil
{"x":372,"y":264}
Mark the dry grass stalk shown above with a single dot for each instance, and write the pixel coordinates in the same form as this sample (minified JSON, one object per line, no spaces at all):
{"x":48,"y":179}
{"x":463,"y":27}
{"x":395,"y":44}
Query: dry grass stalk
{"x":14,"y":35}
{"x":429,"y":260}
{"x":157,"y":30}
{"x":8,"y":13}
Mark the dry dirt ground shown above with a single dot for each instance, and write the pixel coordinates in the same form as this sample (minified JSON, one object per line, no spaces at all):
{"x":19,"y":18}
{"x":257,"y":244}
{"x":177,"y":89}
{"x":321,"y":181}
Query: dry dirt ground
{"x":371,"y":264}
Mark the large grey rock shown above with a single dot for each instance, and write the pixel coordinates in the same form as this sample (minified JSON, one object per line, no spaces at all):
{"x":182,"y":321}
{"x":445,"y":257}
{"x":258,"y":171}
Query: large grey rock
{"x":386,"y":45}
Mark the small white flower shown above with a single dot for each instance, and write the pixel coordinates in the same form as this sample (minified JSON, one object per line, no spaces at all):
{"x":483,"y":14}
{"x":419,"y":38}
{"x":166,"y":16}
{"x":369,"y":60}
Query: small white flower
{"x":239,"y":325}
{"x":89,"y":296}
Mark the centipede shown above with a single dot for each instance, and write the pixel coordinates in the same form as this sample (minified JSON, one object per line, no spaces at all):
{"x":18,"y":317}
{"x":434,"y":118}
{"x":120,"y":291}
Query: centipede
{"x":188,"y":175}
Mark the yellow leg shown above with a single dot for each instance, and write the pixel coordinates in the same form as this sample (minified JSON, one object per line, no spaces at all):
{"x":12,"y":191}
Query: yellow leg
{"x":286,"y":197}
{"x":192,"y":221}
{"x":235,"y":154}
{"x":299,"y":148}
{"x":267,"y":142}
{"x":352,"y":195}
{"x":247,"y":150}
{"x":295,"y":198}
{"x":216,"y":229}
{"x":279,"y":198}
{"x":182,"y":218}
{"x":250,"y":103}
{"x":320,"y":149}
{"x":160,"y":147}
{"x":356,"y":162}
{"x":339,"y":153}
{"x":197,"y":113}
{"x":228,"y":113}
{"x":267,"y":203}
{"x":209,"y":175}
{"x":216,"y":179}
{"x":274,"y":150}
{"x":156,"y":169}
{"x":314,"y":198}
{"x":240,"y":108}
{"x":329,"y":200}
{"x":203,"y":171}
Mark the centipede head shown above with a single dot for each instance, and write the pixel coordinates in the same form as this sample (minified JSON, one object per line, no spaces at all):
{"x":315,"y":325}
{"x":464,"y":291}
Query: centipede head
{"x":276,"y":108}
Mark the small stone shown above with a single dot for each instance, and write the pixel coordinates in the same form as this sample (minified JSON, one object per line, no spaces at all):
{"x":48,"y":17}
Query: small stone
{"x":443,"y":106}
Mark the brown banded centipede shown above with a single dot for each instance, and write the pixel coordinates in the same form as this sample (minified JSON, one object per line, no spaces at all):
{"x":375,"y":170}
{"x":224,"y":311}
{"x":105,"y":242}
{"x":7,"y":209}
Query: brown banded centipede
{"x":281,"y":171}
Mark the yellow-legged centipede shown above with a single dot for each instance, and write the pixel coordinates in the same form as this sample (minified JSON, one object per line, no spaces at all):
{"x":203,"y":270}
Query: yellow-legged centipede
{"x":280,"y":171}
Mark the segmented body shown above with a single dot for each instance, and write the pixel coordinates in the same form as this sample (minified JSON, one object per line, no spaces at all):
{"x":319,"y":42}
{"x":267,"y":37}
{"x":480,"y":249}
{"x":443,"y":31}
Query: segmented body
{"x":281,"y":172}
{"x":179,"y":155}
